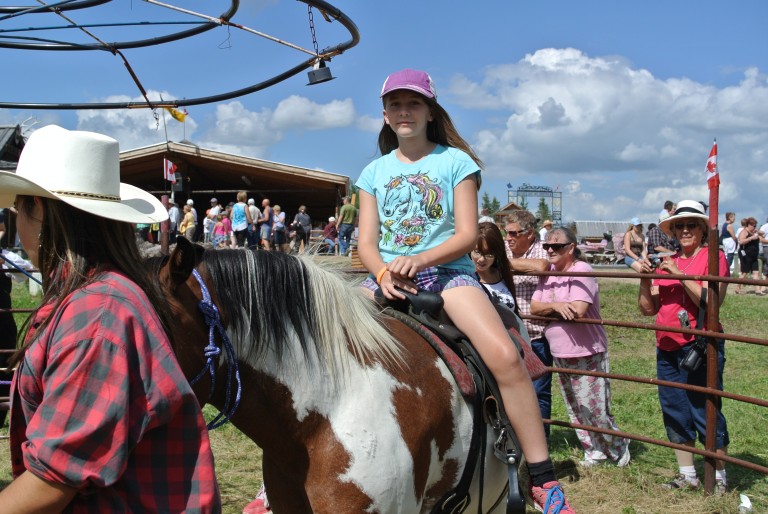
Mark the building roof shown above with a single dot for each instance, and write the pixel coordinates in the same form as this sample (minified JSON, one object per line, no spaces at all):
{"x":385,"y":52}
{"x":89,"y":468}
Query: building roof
{"x":207,"y":173}
{"x":596,"y":229}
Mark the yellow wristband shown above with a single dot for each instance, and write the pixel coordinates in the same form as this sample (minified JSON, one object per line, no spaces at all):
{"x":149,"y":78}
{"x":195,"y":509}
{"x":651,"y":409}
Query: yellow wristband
{"x":380,"y":274}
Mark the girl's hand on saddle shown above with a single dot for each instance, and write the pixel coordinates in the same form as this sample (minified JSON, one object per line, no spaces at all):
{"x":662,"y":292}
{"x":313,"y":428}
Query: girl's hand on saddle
{"x":406,"y":266}
{"x":391,"y":283}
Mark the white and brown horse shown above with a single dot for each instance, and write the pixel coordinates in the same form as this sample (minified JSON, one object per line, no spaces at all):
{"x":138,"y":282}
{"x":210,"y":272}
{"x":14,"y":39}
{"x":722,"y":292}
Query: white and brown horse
{"x":353,"y":410}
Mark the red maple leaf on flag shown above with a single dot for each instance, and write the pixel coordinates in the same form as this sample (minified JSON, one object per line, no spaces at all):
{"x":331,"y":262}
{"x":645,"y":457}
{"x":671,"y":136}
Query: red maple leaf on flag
{"x":713,"y":177}
{"x":169,"y":171}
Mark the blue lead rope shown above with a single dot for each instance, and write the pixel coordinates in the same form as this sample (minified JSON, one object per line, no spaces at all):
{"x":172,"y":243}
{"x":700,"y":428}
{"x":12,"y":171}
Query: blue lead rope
{"x":212,"y":351}
{"x":31,"y":277}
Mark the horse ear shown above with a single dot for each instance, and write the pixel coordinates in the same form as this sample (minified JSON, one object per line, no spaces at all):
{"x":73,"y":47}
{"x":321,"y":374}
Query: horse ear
{"x":182,"y":260}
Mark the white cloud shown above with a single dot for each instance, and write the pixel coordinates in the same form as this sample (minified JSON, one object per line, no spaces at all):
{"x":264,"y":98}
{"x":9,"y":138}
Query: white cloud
{"x":369,"y":123}
{"x":618,"y":129}
{"x":240,"y":131}
{"x":299,"y":112}
{"x":135,"y":128}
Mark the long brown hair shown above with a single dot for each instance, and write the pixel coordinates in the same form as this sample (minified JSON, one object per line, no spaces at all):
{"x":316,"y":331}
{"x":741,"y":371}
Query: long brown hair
{"x":490,"y":240}
{"x":75,"y":247}
{"x":440,"y":130}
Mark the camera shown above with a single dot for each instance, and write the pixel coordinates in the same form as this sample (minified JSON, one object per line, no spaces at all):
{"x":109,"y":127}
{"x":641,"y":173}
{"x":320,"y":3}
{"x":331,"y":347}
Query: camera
{"x":655,"y":261}
{"x":695,"y":356}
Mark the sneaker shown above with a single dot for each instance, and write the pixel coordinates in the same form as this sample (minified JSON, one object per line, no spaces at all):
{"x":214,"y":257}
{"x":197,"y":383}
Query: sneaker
{"x":721,"y":487}
{"x":260,"y":505}
{"x":550,"y":499}
{"x":682,"y":482}
{"x":624,"y":459}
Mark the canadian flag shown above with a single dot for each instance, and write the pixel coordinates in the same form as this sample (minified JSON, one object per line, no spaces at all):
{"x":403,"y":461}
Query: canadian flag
{"x":169,"y":171}
{"x":713,"y":177}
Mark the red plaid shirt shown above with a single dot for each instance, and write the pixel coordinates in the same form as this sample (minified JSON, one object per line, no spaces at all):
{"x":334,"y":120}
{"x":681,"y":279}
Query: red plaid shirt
{"x":525,"y":285}
{"x":99,"y":403}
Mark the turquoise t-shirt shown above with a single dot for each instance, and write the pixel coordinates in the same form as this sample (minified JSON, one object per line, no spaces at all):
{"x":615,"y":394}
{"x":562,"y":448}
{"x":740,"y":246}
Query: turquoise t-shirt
{"x":415,"y":201}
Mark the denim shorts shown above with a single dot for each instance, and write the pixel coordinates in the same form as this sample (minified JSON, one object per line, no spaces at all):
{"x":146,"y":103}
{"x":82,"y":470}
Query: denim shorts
{"x":684,"y":412}
{"x":629,"y":261}
{"x":434,"y":280}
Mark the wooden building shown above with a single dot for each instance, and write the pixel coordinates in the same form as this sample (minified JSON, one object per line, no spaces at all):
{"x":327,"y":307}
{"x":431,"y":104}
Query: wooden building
{"x":203,"y":174}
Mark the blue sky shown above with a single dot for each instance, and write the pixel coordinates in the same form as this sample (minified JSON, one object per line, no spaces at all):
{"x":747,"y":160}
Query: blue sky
{"x":616,"y":104}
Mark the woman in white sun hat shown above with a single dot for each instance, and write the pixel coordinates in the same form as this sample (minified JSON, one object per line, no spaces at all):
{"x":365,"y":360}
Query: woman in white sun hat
{"x":98,"y":401}
{"x":672,"y":301}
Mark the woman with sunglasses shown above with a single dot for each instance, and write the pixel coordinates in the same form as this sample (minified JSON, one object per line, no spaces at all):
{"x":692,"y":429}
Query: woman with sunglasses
{"x":674,"y":303}
{"x":579,"y":346}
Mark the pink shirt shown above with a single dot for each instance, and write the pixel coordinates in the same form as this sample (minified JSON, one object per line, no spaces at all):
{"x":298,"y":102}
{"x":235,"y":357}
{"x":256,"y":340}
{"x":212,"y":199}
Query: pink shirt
{"x":568,"y":339}
{"x":224,"y":229}
{"x":673,"y":298}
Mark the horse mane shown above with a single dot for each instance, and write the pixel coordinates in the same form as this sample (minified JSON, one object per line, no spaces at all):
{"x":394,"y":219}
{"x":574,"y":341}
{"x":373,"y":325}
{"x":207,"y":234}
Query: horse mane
{"x":269,"y":297}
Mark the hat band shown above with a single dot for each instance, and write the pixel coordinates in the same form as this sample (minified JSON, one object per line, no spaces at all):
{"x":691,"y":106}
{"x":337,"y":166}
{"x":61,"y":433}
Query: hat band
{"x":89,"y":196}
{"x":683,"y":210}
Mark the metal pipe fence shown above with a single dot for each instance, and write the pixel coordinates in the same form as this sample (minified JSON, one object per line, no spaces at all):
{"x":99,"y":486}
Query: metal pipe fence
{"x":711,"y":334}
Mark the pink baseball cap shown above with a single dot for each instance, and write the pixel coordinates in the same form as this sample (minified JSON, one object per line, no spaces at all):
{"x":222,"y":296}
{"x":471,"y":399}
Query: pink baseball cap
{"x":413,"y":80}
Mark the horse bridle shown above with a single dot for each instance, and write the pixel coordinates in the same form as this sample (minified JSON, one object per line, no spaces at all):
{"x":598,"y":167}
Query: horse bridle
{"x":212,"y":351}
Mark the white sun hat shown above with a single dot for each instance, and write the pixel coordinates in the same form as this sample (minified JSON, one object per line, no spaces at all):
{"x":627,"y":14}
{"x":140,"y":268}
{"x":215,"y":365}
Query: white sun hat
{"x":684,"y":209}
{"x":81,"y":169}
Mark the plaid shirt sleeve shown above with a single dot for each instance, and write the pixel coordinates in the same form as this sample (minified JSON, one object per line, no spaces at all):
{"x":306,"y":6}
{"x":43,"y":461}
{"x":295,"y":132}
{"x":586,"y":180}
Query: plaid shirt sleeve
{"x":105,"y":408}
{"x":657,"y":238}
{"x":525,"y":285}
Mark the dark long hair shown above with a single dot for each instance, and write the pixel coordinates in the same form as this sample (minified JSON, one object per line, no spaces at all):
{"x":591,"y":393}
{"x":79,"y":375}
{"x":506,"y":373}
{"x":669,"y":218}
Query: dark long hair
{"x":75,"y":247}
{"x":440,"y":130}
{"x":490,"y":240}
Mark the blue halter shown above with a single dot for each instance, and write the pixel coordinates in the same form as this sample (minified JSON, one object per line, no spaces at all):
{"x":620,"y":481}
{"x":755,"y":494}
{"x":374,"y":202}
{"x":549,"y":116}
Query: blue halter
{"x":212,"y":352}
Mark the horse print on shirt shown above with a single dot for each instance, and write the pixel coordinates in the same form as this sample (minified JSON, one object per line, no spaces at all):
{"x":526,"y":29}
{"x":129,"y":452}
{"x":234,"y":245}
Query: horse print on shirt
{"x":411,"y":208}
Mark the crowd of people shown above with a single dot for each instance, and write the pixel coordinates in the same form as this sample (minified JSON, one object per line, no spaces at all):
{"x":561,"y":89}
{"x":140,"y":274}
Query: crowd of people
{"x":241,"y":224}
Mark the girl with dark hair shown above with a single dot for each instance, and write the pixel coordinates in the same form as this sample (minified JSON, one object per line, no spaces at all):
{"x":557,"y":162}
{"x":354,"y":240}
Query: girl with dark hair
{"x":98,"y":400}
{"x":418,"y":223}
{"x":492,"y":265}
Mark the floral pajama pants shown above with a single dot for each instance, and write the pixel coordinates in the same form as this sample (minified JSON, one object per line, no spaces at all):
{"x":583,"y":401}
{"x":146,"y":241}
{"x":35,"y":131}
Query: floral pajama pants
{"x":588,"y":402}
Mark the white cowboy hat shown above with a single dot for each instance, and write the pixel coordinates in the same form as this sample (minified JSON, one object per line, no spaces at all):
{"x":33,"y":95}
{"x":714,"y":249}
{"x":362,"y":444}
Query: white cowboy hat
{"x":81,"y":169}
{"x":684,"y":209}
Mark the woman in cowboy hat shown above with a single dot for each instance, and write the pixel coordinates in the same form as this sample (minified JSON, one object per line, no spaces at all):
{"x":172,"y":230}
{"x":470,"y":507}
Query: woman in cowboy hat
{"x":673,"y":301}
{"x":99,"y":402}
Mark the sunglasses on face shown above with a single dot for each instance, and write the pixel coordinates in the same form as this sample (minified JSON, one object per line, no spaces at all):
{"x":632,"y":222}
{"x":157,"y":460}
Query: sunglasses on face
{"x":690,"y":225}
{"x":515,"y":233}
{"x":488,"y":256}
{"x":554,"y":246}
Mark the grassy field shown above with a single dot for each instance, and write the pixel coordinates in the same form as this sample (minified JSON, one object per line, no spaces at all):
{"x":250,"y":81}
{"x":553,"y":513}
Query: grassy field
{"x":635,"y":489}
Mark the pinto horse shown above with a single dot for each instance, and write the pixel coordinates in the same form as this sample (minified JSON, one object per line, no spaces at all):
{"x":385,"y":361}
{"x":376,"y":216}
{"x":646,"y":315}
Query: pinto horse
{"x":353,"y":410}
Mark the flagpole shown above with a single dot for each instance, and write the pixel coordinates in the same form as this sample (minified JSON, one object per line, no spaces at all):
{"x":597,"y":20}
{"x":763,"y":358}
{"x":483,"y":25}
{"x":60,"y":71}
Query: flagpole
{"x":713,"y":316}
{"x":165,"y":129}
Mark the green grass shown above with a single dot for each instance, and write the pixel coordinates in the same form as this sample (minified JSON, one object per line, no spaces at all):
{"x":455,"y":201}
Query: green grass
{"x":605,"y":489}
